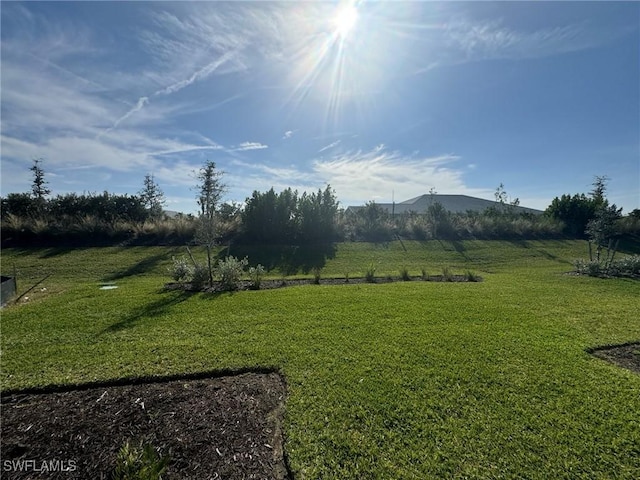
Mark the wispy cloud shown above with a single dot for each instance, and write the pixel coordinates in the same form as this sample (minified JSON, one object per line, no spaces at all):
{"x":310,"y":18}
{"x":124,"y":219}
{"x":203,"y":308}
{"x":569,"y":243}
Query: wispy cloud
{"x":360,"y":176}
{"x":288,"y":134}
{"x":372,"y":175}
{"x":250,"y":146}
{"x":331,"y":145}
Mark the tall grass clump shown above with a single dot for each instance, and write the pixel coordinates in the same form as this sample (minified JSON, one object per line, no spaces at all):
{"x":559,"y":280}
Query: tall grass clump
{"x":404,"y":274}
{"x":447,"y":275}
{"x":316,"y":275}
{"x":139,"y":463}
{"x":370,"y":274}
{"x":471,"y":276}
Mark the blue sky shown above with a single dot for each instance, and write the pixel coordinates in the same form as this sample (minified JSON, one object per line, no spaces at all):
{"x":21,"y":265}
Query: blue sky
{"x":376,"y":99}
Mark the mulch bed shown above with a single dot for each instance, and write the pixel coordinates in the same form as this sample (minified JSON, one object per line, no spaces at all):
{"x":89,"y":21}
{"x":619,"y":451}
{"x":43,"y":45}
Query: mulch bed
{"x":217,"y":286}
{"x":626,"y":356}
{"x":210,"y":428}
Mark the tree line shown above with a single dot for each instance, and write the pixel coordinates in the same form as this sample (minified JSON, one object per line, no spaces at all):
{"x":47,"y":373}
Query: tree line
{"x":286,"y":217}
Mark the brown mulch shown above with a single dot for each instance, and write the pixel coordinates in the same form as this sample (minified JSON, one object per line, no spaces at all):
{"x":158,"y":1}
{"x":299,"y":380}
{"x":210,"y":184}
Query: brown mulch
{"x":626,"y":356}
{"x":291,"y":282}
{"x":210,"y":428}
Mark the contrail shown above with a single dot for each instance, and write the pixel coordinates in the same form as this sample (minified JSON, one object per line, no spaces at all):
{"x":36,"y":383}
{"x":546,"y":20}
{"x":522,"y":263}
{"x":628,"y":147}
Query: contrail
{"x":204,"y":72}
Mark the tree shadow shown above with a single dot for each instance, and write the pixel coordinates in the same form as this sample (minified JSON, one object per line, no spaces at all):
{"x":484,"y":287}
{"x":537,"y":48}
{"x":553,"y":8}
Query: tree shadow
{"x":289,"y":259}
{"x":457,"y":246}
{"x":53,"y":252}
{"x":143,"y":266}
{"x":150,"y":310}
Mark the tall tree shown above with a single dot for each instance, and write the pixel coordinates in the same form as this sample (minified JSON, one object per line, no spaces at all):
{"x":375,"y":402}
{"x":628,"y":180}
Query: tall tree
{"x":210,"y":190}
{"x":152,"y":196}
{"x":601,"y":229}
{"x":39,"y":185}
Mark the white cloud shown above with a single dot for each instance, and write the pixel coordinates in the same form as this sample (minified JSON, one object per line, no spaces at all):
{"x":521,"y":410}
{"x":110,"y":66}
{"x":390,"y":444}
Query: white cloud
{"x":331,"y":145}
{"x":288,"y":134}
{"x":361,"y":176}
{"x":250,"y":146}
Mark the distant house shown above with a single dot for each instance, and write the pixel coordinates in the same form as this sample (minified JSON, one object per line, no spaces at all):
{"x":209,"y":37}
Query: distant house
{"x":452,"y":203}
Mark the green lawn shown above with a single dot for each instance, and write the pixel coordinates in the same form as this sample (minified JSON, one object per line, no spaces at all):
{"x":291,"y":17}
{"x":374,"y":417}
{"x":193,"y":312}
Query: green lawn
{"x":391,"y":381}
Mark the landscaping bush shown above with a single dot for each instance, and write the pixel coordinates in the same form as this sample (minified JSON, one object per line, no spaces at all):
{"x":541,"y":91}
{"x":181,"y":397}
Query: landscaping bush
{"x":181,"y":270}
{"x":256,"y":274}
{"x":230,"y":270}
{"x":316,"y":275}
{"x":200,"y":276}
{"x":594,"y":268}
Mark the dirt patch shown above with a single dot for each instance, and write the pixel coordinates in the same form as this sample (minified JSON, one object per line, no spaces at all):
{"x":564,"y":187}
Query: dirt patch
{"x":210,"y":428}
{"x":626,"y":356}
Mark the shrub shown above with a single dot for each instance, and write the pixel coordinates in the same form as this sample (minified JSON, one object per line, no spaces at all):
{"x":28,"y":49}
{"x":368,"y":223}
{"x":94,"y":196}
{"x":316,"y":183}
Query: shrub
{"x":139,"y":463}
{"x":181,"y":270}
{"x":447,"y":276}
{"x":425,"y":275}
{"x":230,"y":269}
{"x":471,"y":276}
{"x":200,"y":276}
{"x":316,"y":275}
{"x":404,"y":274}
{"x":628,"y":265}
{"x":369,"y":275}
{"x":256,"y":274}
{"x":624,"y":266}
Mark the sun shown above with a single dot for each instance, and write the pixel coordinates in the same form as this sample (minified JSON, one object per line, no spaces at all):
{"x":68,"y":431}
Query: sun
{"x":344,"y":20}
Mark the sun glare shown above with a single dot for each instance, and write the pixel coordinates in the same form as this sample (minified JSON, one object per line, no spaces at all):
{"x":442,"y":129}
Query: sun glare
{"x":345,"y":20}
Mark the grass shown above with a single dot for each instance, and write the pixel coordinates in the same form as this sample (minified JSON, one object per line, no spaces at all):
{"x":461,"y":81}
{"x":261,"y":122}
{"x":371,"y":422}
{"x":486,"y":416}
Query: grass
{"x":401,"y":380}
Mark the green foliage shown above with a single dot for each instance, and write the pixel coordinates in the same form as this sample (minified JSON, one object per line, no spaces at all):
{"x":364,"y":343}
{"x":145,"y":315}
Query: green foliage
{"x":152,"y":197}
{"x":370,"y":274}
{"x":404,"y":274}
{"x":370,"y":223}
{"x":424,"y":274}
{"x":201,"y":276}
{"x":181,"y":270}
{"x":270,"y":218}
{"x":230,"y":271}
{"x":139,"y":463}
{"x":629,"y":265}
{"x":574,"y":211}
{"x":447,"y":275}
{"x":317,"y":216}
{"x":256,"y":273}
{"x":210,"y":188}
{"x":285,"y":217}
{"x":38,"y":187}
{"x":316,"y":275}
{"x":471,"y":276}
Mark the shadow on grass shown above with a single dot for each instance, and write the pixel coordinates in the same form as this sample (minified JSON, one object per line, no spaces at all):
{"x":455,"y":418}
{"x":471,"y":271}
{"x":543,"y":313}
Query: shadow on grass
{"x":288,"y":259}
{"x":457,"y":246}
{"x":53,"y":252}
{"x":143,"y":266}
{"x":149,"y":310}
